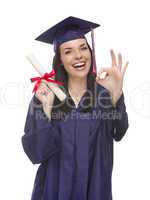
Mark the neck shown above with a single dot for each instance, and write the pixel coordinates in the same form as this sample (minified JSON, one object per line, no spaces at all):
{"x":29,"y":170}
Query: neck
{"x":77,"y":86}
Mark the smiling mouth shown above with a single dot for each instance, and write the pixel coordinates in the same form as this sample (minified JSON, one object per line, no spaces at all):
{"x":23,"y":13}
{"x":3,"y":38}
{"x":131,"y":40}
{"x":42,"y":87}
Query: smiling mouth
{"x":79,"y":65}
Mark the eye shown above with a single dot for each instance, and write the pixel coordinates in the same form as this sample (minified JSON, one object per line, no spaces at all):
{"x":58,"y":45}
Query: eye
{"x":84,"y":48}
{"x":67,"y":52}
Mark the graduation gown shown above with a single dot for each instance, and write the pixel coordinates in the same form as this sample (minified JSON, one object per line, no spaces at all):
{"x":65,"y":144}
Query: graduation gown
{"x":75,"y":152}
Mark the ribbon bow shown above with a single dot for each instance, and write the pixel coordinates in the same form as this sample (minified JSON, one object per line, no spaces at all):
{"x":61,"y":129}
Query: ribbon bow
{"x":46,"y":77}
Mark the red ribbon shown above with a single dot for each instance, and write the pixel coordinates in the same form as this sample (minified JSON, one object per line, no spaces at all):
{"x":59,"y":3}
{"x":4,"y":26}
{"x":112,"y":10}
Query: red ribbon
{"x":46,"y":77}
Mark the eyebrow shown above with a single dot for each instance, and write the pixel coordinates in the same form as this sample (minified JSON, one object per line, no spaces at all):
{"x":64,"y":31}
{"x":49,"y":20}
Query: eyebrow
{"x":84,"y":44}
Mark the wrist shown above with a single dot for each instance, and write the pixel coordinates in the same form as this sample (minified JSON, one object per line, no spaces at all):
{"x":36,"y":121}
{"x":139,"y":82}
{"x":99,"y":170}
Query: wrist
{"x":116,"y":96}
{"x":47,"y":110}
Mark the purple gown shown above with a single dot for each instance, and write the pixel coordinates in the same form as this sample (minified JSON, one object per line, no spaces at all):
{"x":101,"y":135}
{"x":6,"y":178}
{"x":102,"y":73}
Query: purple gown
{"x":75,"y":152}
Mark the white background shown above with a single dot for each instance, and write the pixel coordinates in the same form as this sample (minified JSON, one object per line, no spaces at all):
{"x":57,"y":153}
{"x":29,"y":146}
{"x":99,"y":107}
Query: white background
{"x":125,"y":28}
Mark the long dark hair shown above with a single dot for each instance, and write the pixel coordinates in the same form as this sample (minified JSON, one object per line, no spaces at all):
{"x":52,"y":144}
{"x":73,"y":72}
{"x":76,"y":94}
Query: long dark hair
{"x":61,"y":75}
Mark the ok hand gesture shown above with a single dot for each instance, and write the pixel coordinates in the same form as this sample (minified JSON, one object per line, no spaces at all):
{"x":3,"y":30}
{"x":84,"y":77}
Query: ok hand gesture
{"x":113,"y":80}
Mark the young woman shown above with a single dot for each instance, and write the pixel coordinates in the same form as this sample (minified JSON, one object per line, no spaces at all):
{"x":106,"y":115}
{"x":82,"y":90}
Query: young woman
{"x":73,"y":140}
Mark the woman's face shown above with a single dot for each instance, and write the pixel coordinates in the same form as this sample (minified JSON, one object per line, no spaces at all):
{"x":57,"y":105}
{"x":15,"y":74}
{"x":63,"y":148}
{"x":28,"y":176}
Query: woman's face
{"x":76,"y":57}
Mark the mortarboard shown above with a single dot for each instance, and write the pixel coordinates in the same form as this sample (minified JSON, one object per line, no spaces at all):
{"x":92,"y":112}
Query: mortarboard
{"x":69,"y":29}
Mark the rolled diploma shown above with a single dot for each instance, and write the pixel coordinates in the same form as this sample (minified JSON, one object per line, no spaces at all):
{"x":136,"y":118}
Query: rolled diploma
{"x":38,"y":67}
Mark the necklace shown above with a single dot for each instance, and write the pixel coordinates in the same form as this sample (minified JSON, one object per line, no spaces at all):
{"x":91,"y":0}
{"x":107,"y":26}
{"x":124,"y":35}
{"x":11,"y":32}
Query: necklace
{"x":76,"y":98}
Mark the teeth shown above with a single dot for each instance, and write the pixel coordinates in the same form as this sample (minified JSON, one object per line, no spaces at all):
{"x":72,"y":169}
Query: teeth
{"x":79,"y":64}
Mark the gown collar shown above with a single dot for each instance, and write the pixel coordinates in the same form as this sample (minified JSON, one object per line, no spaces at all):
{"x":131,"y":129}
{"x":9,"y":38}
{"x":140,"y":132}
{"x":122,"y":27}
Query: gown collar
{"x":65,"y":107}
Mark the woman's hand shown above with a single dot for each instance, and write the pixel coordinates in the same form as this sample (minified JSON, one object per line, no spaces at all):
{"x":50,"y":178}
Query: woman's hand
{"x":46,"y":96}
{"x":113,"y":80}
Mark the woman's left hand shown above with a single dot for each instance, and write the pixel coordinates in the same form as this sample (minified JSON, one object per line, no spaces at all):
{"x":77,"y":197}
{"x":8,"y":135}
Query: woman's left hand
{"x":113,"y":80}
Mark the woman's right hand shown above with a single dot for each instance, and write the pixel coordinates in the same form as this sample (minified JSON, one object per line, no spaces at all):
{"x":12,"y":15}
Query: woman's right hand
{"x":46,"y":97}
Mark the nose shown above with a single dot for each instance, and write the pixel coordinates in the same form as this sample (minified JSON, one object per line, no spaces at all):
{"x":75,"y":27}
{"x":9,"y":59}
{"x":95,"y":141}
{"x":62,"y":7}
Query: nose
{"x":78,"y":54}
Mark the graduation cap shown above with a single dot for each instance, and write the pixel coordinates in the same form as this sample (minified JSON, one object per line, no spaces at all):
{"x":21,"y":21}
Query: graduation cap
{"x":69,"y":29}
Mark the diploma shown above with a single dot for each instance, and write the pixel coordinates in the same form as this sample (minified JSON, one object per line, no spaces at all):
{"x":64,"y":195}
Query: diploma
{"x":39,"y":68}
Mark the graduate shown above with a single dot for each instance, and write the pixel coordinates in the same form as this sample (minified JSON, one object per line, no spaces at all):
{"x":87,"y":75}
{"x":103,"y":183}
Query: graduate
{"x":72,"y":140}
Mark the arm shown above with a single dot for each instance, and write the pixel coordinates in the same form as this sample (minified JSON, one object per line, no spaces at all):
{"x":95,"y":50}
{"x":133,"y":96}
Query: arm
{"x":113,"y":83}
{"x":40,"y":140}
{"x":117,"y":120}
{"x":120,"y":119}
